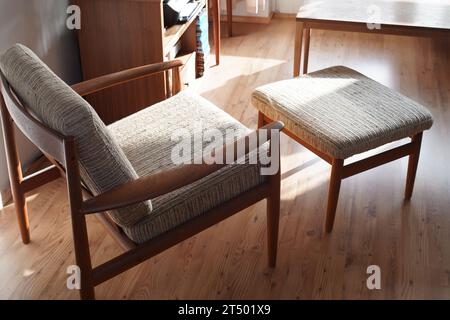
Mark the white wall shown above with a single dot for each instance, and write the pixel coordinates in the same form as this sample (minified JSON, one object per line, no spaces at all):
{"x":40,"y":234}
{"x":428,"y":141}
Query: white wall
{"x":240,"y":7}
{"x":40,"y":25}
{"x":287,"y":6}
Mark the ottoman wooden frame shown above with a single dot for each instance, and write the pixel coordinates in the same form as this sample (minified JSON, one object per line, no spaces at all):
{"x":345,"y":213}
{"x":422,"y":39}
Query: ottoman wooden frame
{"x":339,"y":171}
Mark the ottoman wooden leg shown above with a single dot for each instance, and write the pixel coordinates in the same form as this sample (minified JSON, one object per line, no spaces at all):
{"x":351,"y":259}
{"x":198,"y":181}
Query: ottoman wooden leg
{"x":306,"y":54}
{"x":412,"y":166}
{"x":333,"y":193}
{"x":298,"y":48}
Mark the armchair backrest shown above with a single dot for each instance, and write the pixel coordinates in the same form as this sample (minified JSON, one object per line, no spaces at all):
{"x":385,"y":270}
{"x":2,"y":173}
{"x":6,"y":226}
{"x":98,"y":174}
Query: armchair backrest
{"x":44,"y":100}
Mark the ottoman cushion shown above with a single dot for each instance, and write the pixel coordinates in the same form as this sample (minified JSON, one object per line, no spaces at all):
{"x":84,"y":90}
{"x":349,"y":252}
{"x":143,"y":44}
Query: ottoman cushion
{"x":341,"y":112}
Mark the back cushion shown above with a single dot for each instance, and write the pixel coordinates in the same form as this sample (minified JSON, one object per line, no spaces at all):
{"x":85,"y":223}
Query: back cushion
{"x":103,"y":165}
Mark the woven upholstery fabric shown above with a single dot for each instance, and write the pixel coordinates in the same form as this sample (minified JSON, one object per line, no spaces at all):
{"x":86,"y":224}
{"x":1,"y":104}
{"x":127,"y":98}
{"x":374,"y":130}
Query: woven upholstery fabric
{"x":103,"y":165}
{"x":148,"y":138}
{"x":341,"y":112}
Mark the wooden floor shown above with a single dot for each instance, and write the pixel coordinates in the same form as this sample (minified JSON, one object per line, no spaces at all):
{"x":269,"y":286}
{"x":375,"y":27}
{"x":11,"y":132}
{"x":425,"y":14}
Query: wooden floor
{"x":410,"y":242}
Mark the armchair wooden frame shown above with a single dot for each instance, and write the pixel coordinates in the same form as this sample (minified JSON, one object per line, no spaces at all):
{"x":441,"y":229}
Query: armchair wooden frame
{"x":61,"y":151}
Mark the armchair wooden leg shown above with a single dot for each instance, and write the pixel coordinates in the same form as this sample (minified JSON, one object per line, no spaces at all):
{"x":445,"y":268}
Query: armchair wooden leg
{"x":273,"y":207}
{"x":333,"y":193}
{"x":22,"y":216}
{"x":273,"y":215}
{"x":273,"y":221}
{"x":15,"y":173}
{"x":412,"y":166}
{"x":83,"y":259}
{"x":79,"y":228}
{"x":20,"y":204}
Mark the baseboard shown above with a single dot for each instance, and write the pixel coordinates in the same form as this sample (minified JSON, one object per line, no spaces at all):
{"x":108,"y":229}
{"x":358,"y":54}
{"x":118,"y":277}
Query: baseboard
{"x":249,"y":19}
{"x":283,"y":15}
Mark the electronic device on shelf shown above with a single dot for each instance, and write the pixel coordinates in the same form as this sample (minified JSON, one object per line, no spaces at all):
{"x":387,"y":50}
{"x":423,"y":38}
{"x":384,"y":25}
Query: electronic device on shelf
{"x":178,"y":11}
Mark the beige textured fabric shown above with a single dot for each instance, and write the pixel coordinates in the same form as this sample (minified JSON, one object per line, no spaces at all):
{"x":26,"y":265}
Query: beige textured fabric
{"x":341,"y":112}
{"x":103,"y":164}
{"x":145,"y":137}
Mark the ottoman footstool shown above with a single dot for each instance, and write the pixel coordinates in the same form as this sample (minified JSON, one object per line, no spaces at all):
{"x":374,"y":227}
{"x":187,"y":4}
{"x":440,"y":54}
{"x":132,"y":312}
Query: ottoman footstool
{"x":337,"y":113}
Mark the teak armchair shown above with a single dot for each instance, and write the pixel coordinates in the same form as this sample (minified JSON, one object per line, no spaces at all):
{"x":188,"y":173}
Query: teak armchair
{"x":66,"y":155}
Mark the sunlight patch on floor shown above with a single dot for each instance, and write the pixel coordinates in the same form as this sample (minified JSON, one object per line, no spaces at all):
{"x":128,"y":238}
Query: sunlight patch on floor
{"x":304,"y":181}
{"x":228,"y":71}
{"x":28,"y":272}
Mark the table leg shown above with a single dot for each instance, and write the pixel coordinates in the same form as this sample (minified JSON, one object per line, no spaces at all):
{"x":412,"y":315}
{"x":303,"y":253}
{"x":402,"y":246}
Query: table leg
{"x":307,"y":36}
{"x":298,"y":48}
{"x":230,"y":17}
{"x":216,"y":26}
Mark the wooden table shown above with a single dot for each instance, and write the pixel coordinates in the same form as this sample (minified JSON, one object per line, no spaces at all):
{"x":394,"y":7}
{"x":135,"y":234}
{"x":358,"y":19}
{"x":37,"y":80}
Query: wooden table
{"x":216,"y":24}
{"x":216,"y":28}
{"x":421,"y":18}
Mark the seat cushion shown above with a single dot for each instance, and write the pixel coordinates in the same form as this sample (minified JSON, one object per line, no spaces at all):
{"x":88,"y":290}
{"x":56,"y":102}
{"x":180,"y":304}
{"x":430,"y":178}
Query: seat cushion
{"x":55,"y":104}
{"x":341,"y":112}
{"x":148,"y":139}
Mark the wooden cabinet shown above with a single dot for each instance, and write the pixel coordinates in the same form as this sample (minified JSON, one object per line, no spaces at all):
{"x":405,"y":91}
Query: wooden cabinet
{"x":121,"y":34}
{"x":188,"y":71}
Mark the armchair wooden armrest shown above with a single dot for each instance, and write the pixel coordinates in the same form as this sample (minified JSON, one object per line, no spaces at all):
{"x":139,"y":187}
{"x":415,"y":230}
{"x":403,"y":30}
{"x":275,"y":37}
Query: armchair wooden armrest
{"x":166,"y":181}
{"x":98,"y":84}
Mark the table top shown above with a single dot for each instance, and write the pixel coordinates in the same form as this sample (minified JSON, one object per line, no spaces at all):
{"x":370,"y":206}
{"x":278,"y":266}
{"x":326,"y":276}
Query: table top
{"x":433,"y":14}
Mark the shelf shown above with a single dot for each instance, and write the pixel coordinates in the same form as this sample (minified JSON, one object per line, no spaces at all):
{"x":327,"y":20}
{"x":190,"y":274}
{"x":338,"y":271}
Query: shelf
{"x":173,"y":34}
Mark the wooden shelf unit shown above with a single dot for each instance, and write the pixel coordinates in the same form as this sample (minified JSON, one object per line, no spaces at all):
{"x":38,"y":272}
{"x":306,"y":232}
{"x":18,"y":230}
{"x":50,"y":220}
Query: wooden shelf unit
{"x":121,"y":34}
